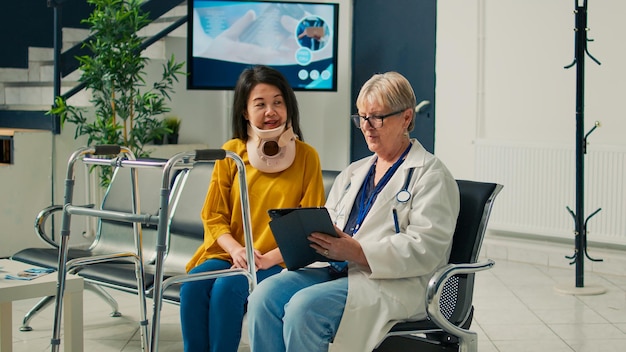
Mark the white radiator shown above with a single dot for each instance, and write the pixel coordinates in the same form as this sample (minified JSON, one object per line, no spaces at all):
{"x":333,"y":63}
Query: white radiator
{"x":539,"y":182}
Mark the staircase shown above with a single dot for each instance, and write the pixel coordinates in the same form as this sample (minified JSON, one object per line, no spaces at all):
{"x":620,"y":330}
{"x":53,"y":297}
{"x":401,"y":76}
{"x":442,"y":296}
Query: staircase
{"x":31,"y":89}
{"x":26,"y":94}
{"x":33,"y":158}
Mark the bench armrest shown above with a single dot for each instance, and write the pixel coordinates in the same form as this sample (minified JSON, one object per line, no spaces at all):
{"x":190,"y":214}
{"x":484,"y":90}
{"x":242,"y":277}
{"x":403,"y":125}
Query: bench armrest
{"x":467,"y":338}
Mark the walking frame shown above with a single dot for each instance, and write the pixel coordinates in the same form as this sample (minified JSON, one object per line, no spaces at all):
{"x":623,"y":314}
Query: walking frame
{"x":125,"y":158}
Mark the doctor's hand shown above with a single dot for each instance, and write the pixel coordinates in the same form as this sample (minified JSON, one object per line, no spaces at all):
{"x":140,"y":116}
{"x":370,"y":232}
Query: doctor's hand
{"x":344,"y":247}
{"x":268,"y":259}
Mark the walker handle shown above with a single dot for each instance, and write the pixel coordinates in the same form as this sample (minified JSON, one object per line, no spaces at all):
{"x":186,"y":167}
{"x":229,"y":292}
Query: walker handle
{"x":210,"y":154}
{"x":107,"y":149}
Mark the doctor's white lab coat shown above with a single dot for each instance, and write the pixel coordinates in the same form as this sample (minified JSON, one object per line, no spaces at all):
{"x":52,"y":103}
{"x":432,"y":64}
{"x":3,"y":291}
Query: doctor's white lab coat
{"x":401,"y":263}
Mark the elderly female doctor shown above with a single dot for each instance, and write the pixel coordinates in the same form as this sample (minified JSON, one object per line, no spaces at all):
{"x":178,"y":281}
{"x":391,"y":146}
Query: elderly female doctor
{"x":395,"y":213}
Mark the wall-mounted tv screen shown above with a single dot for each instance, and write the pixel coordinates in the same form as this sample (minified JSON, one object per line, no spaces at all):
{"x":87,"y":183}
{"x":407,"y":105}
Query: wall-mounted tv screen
{"x":297,"y":38}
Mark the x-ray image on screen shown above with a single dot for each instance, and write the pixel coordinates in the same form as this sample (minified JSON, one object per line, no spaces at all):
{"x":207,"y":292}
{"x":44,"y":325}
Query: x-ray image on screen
{"x":297,"y":38}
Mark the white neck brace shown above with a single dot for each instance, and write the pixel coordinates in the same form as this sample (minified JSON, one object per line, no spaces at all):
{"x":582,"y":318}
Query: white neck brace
{"x":272,"y":150}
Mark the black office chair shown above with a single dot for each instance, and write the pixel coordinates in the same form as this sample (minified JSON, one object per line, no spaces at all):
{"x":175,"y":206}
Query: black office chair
{"x":450,"y":290}
{"x":328,"y":178}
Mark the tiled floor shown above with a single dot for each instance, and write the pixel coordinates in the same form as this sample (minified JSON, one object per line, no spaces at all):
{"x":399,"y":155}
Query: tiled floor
{"x":517,"y":309}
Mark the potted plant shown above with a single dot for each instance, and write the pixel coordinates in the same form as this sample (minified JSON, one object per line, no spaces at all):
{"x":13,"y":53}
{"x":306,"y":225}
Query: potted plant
{"x":172,"y":123}
{"x":127,"y":109}
{"x":158,"y":131}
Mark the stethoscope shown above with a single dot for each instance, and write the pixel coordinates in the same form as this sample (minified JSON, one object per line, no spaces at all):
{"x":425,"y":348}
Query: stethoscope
{"x":404,"y":195}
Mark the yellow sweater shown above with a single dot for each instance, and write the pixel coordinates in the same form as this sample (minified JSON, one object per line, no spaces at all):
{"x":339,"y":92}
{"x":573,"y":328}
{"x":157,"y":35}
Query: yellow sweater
{"x":299,"y":185}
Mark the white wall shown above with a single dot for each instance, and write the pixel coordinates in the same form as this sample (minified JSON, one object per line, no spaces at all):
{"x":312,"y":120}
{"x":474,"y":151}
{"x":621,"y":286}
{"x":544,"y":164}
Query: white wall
{"x":500,"y":75}
{"x":456,"y":89}
{"x":501,"y":79}
{"x":24,"y":198}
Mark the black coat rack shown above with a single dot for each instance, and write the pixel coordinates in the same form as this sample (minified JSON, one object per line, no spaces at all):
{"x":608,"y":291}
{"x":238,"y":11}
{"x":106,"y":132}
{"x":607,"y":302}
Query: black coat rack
{"x":580,"y":222}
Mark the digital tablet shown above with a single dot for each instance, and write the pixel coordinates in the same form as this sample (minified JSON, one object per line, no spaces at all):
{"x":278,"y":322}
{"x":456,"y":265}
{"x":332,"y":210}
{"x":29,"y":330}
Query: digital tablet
{"x":292,"y":226}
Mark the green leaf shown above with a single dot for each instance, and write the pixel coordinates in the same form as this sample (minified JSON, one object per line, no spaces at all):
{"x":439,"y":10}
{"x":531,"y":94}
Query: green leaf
{"x":115,"y":75}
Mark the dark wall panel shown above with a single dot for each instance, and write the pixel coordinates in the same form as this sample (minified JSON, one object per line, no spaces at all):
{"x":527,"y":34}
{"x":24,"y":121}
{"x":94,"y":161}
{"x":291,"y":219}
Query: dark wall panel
{"x":395,"y":35}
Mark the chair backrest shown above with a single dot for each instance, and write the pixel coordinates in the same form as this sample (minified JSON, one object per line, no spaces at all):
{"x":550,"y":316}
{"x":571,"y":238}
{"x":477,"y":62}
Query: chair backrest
{"x":186,"y":231}
{"x":476,"y":201}
{"x":116,"y":236}
{"x":328,"y":177}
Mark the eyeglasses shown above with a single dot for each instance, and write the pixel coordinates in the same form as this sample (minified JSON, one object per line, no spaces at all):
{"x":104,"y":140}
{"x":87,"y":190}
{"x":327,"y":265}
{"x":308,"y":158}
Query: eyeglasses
{"x":374,"y":121}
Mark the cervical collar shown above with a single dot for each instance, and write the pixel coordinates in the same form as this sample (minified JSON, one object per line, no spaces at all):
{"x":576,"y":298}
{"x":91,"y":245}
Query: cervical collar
{"x":272,"y":150}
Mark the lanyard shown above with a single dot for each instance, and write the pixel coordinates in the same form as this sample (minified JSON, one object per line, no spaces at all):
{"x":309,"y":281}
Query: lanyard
{"x":366,"y":204}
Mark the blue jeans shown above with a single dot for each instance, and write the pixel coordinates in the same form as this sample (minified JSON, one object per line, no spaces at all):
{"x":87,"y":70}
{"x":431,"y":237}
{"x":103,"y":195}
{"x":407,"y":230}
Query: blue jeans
{"x":296,"y":311}
{"x":211,"y":311}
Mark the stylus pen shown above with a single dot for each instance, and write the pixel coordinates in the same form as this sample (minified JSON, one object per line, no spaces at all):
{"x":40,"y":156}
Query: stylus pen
{"x":395,"y":220}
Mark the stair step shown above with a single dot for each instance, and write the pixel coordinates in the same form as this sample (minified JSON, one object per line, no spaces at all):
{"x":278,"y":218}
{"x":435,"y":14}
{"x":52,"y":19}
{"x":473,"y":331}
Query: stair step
{"x":40,"y":54}
{"x":32,"y":88}
{"x":158,"y":26}
{"x":180,"y":10}
{"x":40,"y":93}
{"x":74,"y":34}
{"x":13,"y":74}
{"x":72,"y":37}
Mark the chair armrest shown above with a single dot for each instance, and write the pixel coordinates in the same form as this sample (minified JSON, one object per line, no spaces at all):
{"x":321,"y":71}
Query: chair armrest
{"x":75,"y":264}
{"x":40,"y":222}
{"x":467,"y":339}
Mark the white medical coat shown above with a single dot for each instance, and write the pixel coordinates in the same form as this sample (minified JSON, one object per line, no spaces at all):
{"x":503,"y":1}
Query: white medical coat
{"x":394,"y":287}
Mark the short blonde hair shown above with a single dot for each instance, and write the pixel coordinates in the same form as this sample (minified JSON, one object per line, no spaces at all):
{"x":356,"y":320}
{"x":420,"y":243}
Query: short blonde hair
{"x":389,"y":89}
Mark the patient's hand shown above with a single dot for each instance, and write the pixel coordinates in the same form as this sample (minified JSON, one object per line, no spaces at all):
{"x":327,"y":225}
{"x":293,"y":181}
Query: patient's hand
{"x":239,"y":258}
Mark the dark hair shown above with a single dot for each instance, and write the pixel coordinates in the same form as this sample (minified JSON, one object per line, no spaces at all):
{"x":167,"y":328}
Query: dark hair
{"x":248,"y":79}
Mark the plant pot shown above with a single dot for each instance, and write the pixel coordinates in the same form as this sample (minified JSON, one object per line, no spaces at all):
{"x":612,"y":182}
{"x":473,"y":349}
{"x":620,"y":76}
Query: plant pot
{"x":157,"y":141}
{"x":172,"y":138}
